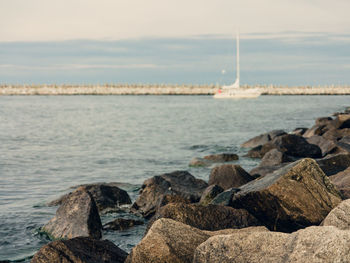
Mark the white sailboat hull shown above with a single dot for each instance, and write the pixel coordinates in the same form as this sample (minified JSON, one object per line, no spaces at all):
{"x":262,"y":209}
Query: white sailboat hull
{"x":238,"y":93}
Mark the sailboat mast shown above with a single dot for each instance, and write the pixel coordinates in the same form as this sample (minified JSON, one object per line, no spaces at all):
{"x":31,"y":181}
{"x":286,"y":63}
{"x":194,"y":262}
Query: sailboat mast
{"x":237,"y":57}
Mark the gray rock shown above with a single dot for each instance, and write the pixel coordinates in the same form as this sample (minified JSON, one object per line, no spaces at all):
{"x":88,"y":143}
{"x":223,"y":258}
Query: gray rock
{"x":326,"y":146}
{"x":214,"y":158}
{"x":122,"y":224}
{"x":342,"y":181}
{"x":225,"y":198}
{"x":335,"y":163}
{"x":275,"y":157}
{"x":210,"y":193}
{"x":261,"y":171}
{"x":262,"y":139}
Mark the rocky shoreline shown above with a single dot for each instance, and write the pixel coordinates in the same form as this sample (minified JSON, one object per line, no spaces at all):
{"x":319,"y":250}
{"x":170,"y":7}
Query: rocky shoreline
{"x":292,"y":207}
{"x":164,"y":89}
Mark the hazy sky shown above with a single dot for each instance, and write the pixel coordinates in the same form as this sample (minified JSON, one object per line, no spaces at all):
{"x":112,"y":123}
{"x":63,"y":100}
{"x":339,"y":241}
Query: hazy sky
{"x":80,"y":41}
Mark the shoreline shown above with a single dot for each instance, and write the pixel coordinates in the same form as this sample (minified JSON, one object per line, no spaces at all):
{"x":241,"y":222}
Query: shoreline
{"x":140,"y":89}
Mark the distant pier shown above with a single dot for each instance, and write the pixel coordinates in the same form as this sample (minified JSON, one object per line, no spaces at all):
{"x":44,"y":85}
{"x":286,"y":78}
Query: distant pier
{"x":164,"y":89}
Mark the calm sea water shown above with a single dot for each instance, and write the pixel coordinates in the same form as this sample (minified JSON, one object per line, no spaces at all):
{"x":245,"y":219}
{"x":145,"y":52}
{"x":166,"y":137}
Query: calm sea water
{"x":48,"y":144}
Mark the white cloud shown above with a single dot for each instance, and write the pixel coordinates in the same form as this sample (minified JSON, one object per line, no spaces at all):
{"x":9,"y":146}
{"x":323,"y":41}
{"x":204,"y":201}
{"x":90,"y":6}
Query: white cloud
{"x":24,"y":20}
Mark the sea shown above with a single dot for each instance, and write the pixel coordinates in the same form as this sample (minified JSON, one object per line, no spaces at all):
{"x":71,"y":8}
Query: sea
{"x":49,"y":144}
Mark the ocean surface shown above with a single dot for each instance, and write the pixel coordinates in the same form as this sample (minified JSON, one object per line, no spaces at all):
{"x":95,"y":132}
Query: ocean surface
{"x":51,"y":143}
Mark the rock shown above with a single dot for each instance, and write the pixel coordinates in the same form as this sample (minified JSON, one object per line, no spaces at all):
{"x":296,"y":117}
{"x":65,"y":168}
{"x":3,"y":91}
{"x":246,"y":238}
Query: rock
{"x":225,"y":198}
{"x":342,"y":181}
{"x":323,"y":121}
{"x":299,"y":131}
{"x":255,"y":152}
{"x":293,"y":197}
{"x":198,"y":162}
{"x":77,"y":216}
{"x":210,"y":217}
{"x":335,"y":163}
{"x":342,"y":121}
{"x":275,"y":157}
{"x":106,"y":195}
{"x":179,"y":183}
{"x":121,"y":224}
{"x":313,"y":245}
{"x":262,"y":139}
{"x":315,"y":130}
{"x":326,"y":146}
{"x":80,"y":250}
{"x":171,"y":241}
{"x":228,"y":176}
{"x":261,"y":171}
{"x":210,"y":193}
{"x":215,"y":158}
{"x":336,"y":134}
{"x":339,"y":216}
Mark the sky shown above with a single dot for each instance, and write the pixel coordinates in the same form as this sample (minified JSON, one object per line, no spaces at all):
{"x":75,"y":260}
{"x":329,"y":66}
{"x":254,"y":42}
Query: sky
{"x":116,"y":41}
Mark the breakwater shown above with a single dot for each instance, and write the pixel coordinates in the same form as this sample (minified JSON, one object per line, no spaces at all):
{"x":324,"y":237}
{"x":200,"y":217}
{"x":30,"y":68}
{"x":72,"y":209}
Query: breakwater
{"x":164,"y":89}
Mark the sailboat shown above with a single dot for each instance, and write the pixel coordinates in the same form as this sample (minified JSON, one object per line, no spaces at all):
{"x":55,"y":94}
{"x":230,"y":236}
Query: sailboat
{"x":234,"y":91}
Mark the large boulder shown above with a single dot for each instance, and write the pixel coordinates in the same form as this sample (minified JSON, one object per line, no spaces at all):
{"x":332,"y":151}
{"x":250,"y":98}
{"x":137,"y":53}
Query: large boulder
{"x":342,"y":181}
{"x":326,"y":146}
{"x":335,"y":163}
{"x":293,"y":197}
{"x":342,"y":121}
{"x":262,"y":139}
{"x":228,"y":176}
{"x":313,"y":245}
{"x":336,"y":134}
{"x":179,"y":183}
{"x":108,"y":196}
{"x":77,"y":216}
{"x":211,"y":217}
{"x":275,"y":157}
{"x":339,"y":216}
{"x":261,"y":171}
{"x":210,"y":193}
{"x":174,"y":242}
{"x":80,"y":250}
{"x":214,"y":158}
{"x":324,"y":121}
{"x":315,"y":130}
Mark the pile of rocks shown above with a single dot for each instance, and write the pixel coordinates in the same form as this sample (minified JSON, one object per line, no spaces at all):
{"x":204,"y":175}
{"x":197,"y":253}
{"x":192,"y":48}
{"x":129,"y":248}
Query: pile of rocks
{"x":289,"y":208}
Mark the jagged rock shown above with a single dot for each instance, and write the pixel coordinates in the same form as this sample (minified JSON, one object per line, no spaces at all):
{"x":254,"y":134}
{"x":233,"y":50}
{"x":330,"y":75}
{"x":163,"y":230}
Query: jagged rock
{"x":326,"y":146}
{"x":262,"y":139}
{"x":342,"y":181}
{"x":122,"y":224}
{"x":335,"y":163}
{"x":261,"y":171}
{"x":299,"y":131}
{"x":342,"y":121}
{"x":313,"y":245}
{"x":210,"y":217}
{"x":323,"y":121}
{"x":154,"y":189}
{"x":215,"y":158}
{"x":106,"y":195}
{"x":315,"y":130}
{"x":171,"y":241}
{"x":339,"y":216}
{"x":228,"y":176}
{"x":225,"y":198}
{"x":77,"y":216}
{"x":293,"y":197}
{"x":80,"y":250}
{"x":210,"y":193}
{"x":255,"y":152}
{"x":275,"y":157}
{"x":336,"y":134}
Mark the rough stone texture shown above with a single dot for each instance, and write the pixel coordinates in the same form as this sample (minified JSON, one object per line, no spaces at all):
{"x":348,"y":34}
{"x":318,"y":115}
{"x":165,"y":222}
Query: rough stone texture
{"x":210,"y":193}
{"x":122,"y":224}
{"x":342,"y":181}
{"x":336,"y":134}
{"x":77,"y":216}
{"x":342,"y":121}
{"x":211,"y":217}
{"x":80,"y":250}
{"x":275,"y":157}
{"x":323,"y":120}
{"x":261,"y":171}
{"x":293,"y":197}
{"x":228,"y":176}
{"x":154,"y":189}
{"x":313,"y":245}
{"x":299,"y":131}
{"x":106,"y":195}
{"x":335,"y":163}
{"x":225,"y":198}
{"x":215,"y":158}
{"x":339,"y":216}
{"x":173,"y":242}
{"x":315,"y":130}
{"x":262,"y":139}
{"x":255,"y":152}
{"x":326,"y":146}
{"x":198,"y":162}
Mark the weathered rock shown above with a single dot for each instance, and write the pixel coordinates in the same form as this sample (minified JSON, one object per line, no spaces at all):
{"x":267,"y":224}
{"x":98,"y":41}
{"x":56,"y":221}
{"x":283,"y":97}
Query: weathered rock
{"x":77,"y":216}
{"x":336,"y":134}
{"x":198,"y":162}
{"x":313,"y":245}
{"x":275,"y":157}
{"x":122,"y":224}
{"x":106,"y":195}
{"x":211,"y":217}
{"x":80,"y":250}
{"x":335,"y":163}
{"x":225,"y":198}
{"x":228,"y":176}
{"x":210,"y":193}
{"x":342,"y":121}
{"x":215,"y":158}
{"x":323,"y":121}
{"x":326,"y":146}
{"x":255,"y":152}
{"x":342,"y":181}
{"x":299,"y":131}
{"x":179,"y":183}
{"x":262,"y":139}
{"x":261,"y":171}
{"x":315,"y":130}
{"x":339,"y":216}
{"x":171,"y":241}
{"x":293,"y":197}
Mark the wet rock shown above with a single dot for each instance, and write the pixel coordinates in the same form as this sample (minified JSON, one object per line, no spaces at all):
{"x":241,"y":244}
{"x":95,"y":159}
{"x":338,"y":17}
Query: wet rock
{"x":80,"y":250}
{"x":179,"y":183}
{"x":342,"y":181}
{"x":275,"y":157}
{"x":215,"y":158}
{"x":261,"y":171}
{"x":171,"y":241}
{"x":228,"y":176}
{"x":314,"y":244}
{"x":210,"y":193}
{"x":262,"y":139}
{"x":326,"y":146}
{"x":122,"y":224}
{"x":339,"y":216}
{"x":77,"y":216}
{"x":255,"y":152}
{"x":299,"y":131}
{"x":198,"y":162}
{"x":225,"y":198}
{"x":210,"y":217}
{"x":108,"y":196}
{"x":293,"y":197}
{"x":335,"y":163}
